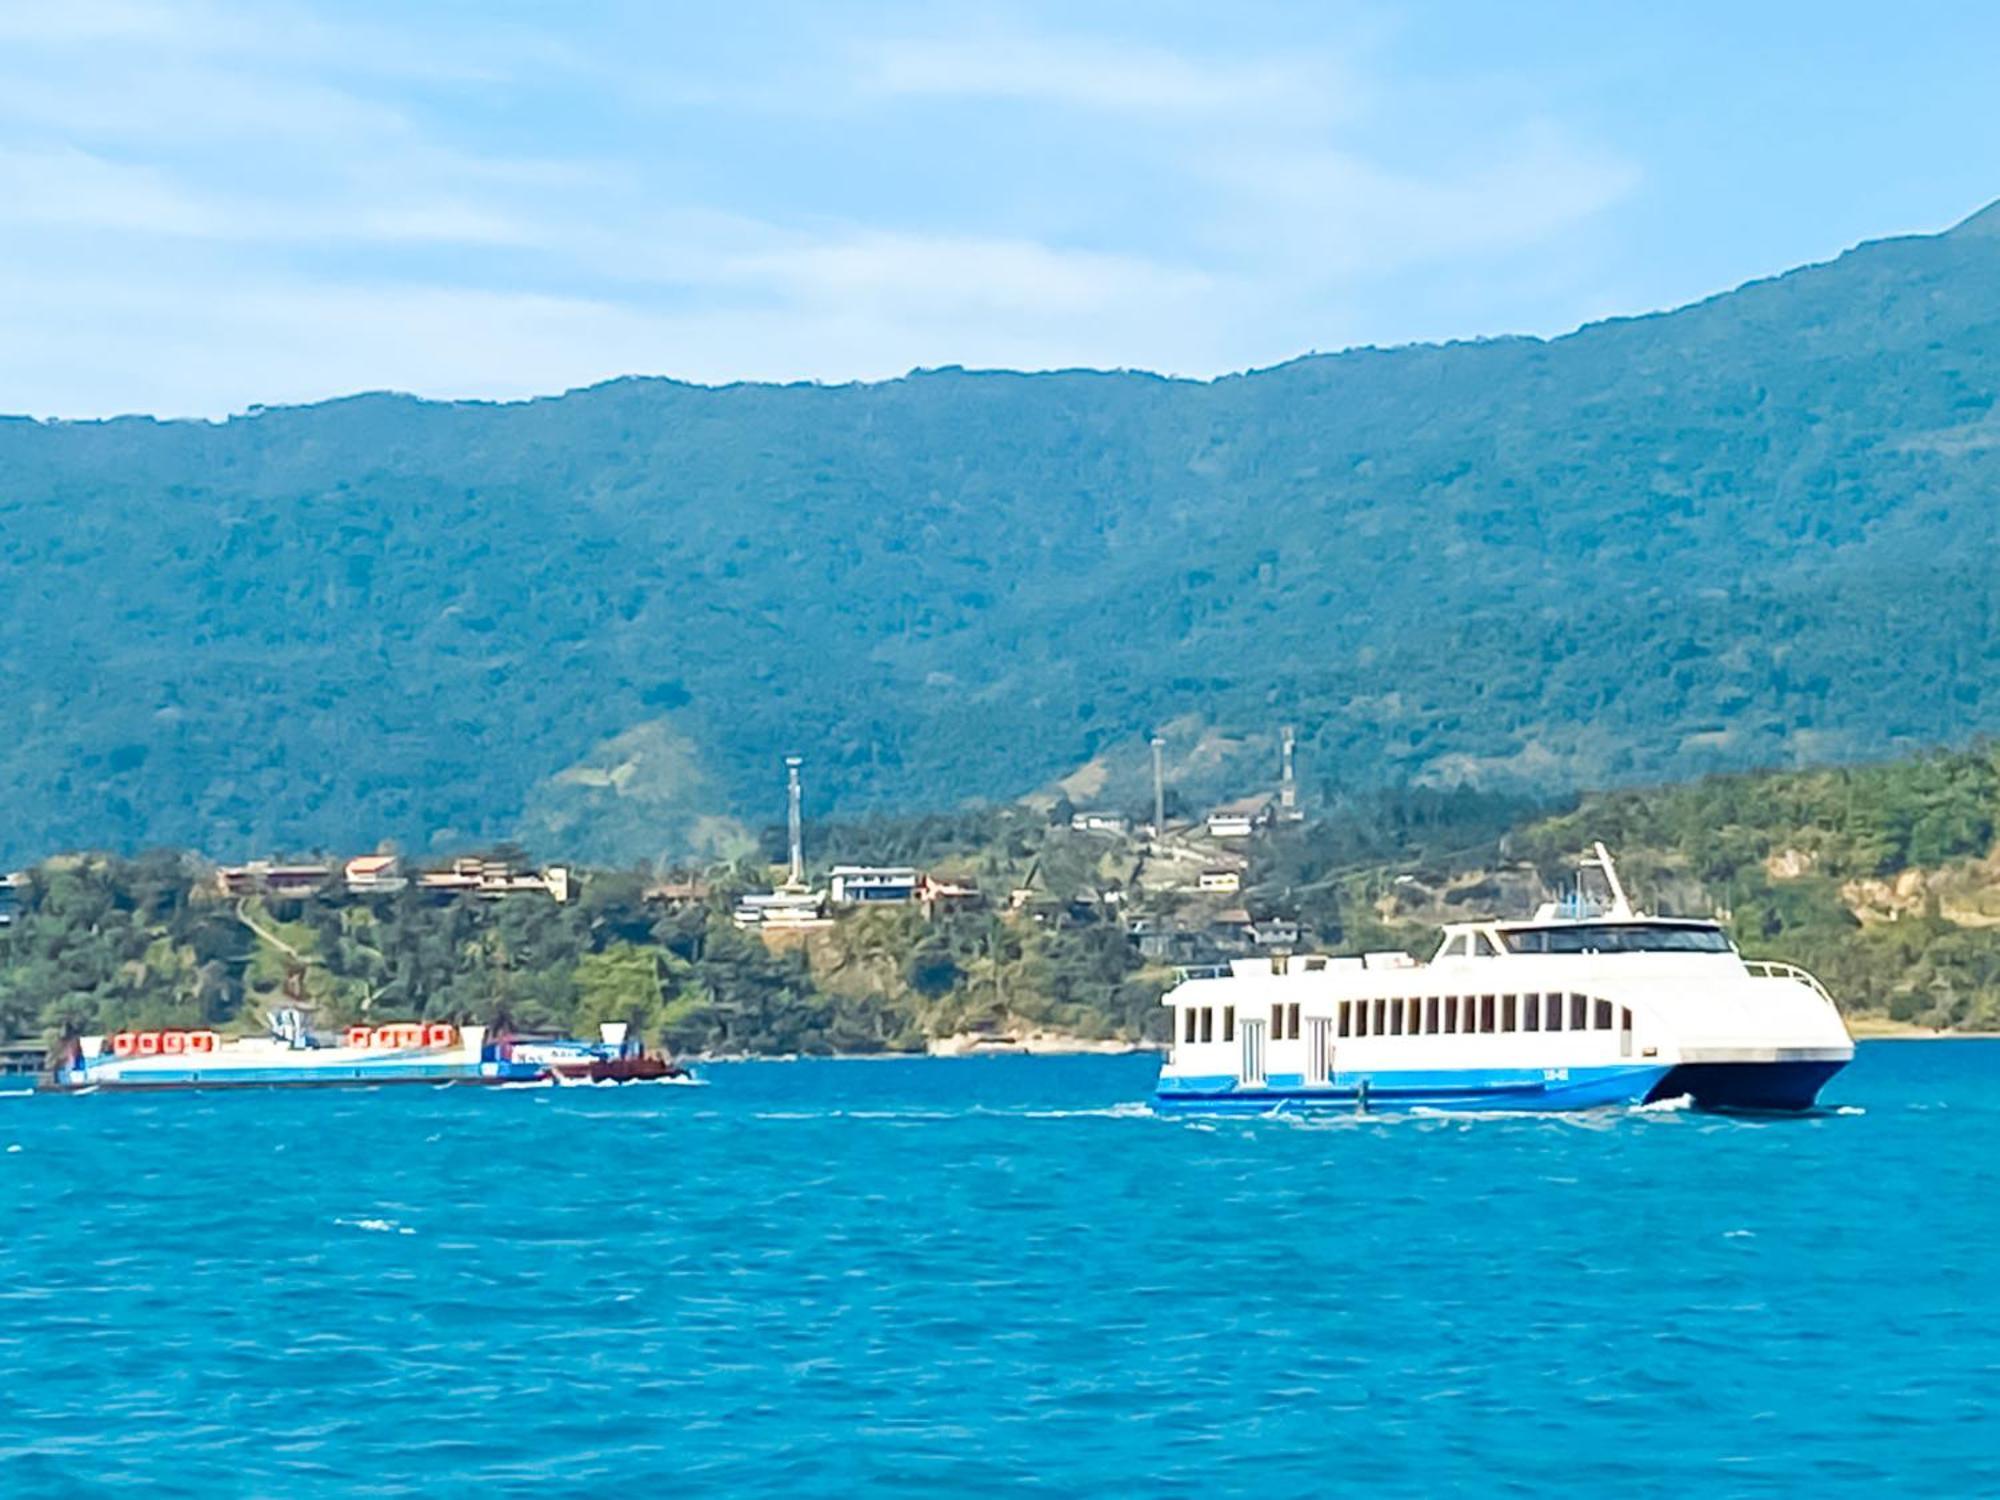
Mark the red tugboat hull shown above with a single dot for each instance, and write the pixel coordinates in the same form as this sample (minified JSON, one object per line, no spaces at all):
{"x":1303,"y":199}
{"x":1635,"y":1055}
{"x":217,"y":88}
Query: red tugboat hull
{"x":642,"y":1069}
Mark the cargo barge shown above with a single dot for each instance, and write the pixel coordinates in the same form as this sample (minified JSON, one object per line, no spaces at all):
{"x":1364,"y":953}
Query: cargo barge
{"x":293,"y":1056}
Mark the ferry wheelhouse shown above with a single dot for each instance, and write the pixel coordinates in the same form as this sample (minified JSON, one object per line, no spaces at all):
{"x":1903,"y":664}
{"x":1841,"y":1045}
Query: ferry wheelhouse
{"x":1589,"y":1003}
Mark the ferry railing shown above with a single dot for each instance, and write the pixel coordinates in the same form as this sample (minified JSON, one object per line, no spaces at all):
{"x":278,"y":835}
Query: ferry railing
{"x":1185,"y":972}
{"x":1770,"y":968}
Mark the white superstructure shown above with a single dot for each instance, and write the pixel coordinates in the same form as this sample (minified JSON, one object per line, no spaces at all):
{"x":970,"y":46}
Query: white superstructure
{"x":1585,"y":1004}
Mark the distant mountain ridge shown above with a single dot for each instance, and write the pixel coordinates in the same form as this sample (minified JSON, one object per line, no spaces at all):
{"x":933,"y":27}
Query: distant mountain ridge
{"x":1757,"y":530}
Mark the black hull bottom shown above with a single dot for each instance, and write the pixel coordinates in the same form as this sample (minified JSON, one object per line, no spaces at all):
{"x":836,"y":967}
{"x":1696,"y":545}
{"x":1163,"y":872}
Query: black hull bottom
{"x":1775,"y":1086}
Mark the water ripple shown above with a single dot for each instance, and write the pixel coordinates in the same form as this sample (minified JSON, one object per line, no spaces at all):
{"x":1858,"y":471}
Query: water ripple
{"x":992,"y":1275}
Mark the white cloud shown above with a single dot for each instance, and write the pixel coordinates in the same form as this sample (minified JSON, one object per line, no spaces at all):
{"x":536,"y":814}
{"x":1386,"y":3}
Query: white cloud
{"x":185,"y":343}
{"x":960,"y":274}
{"x":1343,"y":214}
{"x":74,"y":190}
{"x":205,"y":205}
{"x":1100,"y":75}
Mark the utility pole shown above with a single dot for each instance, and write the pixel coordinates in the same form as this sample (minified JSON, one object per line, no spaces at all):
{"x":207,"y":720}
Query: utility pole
{"x":1159,"y":787}
{"x":1288,"y":787}
{"x":796,"y":824}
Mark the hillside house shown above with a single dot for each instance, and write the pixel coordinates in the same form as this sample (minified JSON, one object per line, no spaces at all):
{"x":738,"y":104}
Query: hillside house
{"x":782,"y":910}
{"x":1242,"y":818}
{"x":374,"y":875}
{"x":494,"y":879}
{"x":868,"y":885}
{"x":1100,"y":822}
{"x":263,"y":877}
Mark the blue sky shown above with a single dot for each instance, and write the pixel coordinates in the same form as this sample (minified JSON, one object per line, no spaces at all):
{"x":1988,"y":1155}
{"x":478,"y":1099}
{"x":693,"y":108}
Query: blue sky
{"x":206,"y":204}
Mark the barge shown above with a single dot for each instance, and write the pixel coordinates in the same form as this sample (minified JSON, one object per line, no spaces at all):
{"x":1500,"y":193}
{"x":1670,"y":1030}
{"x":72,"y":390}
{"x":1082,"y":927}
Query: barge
{"x":292,"y":1055}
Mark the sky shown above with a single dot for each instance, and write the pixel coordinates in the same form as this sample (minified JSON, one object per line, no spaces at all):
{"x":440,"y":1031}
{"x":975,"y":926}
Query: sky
{"x":207,"y":205}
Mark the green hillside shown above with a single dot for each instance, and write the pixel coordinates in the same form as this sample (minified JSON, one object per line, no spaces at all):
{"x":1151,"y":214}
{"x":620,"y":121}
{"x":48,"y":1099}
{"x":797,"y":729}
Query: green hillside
{"x":1883,"y":879}
{"x":1760,"y":530}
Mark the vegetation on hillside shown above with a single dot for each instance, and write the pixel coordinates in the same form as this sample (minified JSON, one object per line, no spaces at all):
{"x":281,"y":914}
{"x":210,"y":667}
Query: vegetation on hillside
{"x":1883,"y":879}
{"x":103,"y":943}
{"x":1755,"y":531}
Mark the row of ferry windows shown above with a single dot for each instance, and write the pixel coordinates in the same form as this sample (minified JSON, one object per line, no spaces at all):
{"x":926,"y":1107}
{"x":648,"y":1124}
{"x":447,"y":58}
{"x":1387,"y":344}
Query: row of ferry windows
{"x":1198,"y":1023}
{"x":1450,"y":1015}
{"x":1425,"y":1015}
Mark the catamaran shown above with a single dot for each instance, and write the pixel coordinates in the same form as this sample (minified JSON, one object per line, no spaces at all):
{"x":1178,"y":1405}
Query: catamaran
{"x":1589,"y":1003}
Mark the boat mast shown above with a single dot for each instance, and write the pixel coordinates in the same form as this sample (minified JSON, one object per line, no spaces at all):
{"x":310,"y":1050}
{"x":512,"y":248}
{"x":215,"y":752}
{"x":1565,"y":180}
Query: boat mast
{"x":1621,"y":906}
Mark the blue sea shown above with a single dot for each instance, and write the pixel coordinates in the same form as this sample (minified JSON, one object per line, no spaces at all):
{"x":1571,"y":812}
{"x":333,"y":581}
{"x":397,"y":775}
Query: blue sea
{"x":998,"y":1276}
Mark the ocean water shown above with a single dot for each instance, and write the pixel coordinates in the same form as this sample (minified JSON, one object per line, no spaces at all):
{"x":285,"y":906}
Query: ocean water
{"x":998,"y":1276}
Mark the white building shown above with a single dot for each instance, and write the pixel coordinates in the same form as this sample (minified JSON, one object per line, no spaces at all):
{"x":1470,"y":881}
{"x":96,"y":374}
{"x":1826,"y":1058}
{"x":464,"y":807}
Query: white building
{"x":374,"y":874}
{"x":1100,"y":822}
{"x":782,"y":910}
{"x":1239,"y":819}
{"x":857,"y":885}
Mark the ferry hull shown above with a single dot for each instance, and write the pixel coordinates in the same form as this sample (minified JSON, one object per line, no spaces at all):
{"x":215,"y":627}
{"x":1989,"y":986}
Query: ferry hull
{"x":129,"y":1086}
{"x":1783,"y":1086}
{"x":1532,"y":1090}
{"x":289,"y":1077}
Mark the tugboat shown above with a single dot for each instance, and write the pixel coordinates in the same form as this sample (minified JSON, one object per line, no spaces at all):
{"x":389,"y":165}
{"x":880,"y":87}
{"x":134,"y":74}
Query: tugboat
{"x":616,"y":1057}
{"x":1588,"y":1003}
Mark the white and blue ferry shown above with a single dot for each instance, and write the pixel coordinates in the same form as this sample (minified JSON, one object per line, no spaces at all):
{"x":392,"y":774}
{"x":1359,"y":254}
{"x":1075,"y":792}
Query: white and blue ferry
{"x":1589,"y":1003}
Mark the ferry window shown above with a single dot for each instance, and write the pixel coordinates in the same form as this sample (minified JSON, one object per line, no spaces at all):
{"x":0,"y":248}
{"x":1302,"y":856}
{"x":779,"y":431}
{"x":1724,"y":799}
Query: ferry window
{"x":1315,"y":965}
{"x":1620,"y":937}
{"x":1208,"y":1023}
{"x":1361,"y":1018}
{"x":1482,"y":946}
{"x":1431,"y":1015}
{"x":1277,"y":1023}
{"x":1603,"y":1016}
{"x":1346,"y":1018}
{"x":1554,"y":1020}
{"x":1293,"y":1018}
{"x":1485,"y":1012}
{"x":1381,"y":1018}
{"x":1577,"y":1006}
{"x":1456,"y":947}
{"x":1395,"y":1018}
{"x":1507,"y":1017}
{"x":1531,"y":1013}
{"x":1229,"y":1023}
{"x":1448,"y":1011}
{"x":1189,"y":1024}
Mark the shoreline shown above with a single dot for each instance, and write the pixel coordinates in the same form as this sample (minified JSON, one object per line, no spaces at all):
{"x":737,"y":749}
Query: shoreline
{"x":937,"y":1050}
{"x":1883,"y":1029}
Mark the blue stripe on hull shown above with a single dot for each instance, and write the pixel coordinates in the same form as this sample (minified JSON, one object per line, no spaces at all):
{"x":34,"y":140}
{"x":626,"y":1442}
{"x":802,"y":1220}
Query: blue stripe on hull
{"x":1501,"y":1088}
{"x":280,"y":1075}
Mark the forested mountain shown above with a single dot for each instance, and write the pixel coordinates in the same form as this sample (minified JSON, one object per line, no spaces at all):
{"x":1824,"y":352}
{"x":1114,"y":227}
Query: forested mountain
{"x":1757,"y":530}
